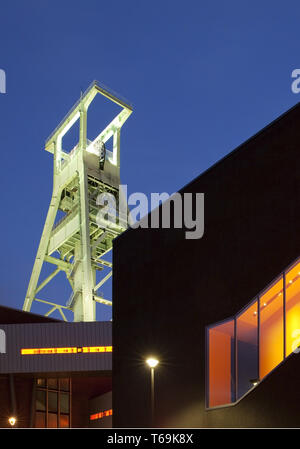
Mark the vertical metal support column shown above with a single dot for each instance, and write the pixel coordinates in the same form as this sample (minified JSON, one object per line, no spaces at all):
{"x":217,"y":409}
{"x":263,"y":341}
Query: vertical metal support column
{"x":152,"y":398}
{"x":83,"y":127}
{"x":42,"y":250}
{"x":116,"y":147}
{"x":88,"y":303}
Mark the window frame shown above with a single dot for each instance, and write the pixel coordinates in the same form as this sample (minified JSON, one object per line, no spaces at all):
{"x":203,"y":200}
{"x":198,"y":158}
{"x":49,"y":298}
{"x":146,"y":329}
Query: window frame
{"x":207,"y":329}
{"x":45,"y":388}
{"x":257,"y":297}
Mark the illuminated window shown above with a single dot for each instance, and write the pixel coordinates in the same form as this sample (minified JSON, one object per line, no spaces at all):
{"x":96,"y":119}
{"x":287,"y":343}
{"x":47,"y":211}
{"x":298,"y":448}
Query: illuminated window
{"x":53,"y":384}
{"x":221,"y":364}
{"x":52,"y":420}
{"x":64,"y":421}
{"x":41,"y":382}
{"x":292,"y":281}
{"x":45,"y":351}
{"x":53,"y":403}
{"x":271,"y":328}
{"x":68,"y":350}
{"x":245,"y":349}
{"x":100,"y":415}
{"x":40,"y":419}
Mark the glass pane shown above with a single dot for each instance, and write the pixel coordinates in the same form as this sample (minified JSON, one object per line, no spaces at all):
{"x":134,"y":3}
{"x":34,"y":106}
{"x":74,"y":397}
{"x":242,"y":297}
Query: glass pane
{"x":41,"y":382}
{"x":247,"y":349}
{"x":52,"y":420}
{"x":292,"y":282}
{"x":64,"y":384}
{"x":64,"y":403}
{"x":52,"y":401}
{"x":64,"y":421}
{"x":40,"y":419}
{"x":221,"y":364}
{"x":53,"y":384}
{"x":40,"y":400}
{"x":271,"y":328}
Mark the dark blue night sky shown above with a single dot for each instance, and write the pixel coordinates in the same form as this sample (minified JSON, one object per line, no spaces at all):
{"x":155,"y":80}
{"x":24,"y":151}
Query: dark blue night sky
{"x":203,"y":76}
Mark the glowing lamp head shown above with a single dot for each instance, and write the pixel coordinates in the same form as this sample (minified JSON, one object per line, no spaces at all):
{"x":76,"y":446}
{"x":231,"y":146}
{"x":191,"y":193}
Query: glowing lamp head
{"x":12,"y":420}
{"x":152,"y":362}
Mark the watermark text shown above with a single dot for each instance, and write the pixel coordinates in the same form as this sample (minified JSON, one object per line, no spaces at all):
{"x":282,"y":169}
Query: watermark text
{"x":2,"y":82}
{"x":165,"y":211}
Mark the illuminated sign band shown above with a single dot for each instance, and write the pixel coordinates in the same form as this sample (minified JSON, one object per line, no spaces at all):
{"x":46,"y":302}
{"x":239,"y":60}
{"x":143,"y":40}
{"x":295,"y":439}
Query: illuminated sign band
{"x":101,"y":415}
{"x":68,"y":350}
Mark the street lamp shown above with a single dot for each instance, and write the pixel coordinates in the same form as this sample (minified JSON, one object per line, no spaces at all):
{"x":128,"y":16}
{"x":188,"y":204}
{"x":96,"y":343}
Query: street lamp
{"x":152,"y":363}
{"x":12,"y":421}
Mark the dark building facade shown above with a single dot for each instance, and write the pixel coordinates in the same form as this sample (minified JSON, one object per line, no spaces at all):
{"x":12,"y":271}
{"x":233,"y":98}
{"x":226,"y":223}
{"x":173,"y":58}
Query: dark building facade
{"x":54,"y":374}
{"x":169,"y":291}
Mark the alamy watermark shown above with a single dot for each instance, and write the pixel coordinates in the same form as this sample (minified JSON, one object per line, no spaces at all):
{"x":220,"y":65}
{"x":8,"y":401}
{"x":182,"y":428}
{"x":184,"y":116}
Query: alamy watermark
{"x":295,"y":86}
{"x":2,"y":82}
{"x":2,"y":342}
{"x":166,"y":211}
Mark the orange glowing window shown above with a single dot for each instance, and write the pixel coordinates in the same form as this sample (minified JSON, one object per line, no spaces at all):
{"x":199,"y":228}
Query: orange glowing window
{"x":67,"y":350}
{"x":271,"y":328}
{"x":247,"y":348}
{"x":97,"y":349}
{"x":221,"y":369}
{"x":36,"y":351}
{"x":101,"y":415}
{"x":292,"y":295}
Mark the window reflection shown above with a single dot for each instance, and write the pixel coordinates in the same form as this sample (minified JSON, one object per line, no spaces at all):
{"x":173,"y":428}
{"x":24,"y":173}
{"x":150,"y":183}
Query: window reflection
{"x":40,"y":400}
{"x":52,"y":401}
{"x":64,"y":403}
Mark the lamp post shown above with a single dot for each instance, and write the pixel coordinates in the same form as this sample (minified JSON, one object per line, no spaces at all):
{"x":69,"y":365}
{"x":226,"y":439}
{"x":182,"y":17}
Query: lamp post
{"x":152,"y":363}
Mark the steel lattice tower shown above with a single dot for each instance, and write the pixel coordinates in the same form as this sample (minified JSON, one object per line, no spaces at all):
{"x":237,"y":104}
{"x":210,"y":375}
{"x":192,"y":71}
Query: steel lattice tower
{"x":77,"y":243}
